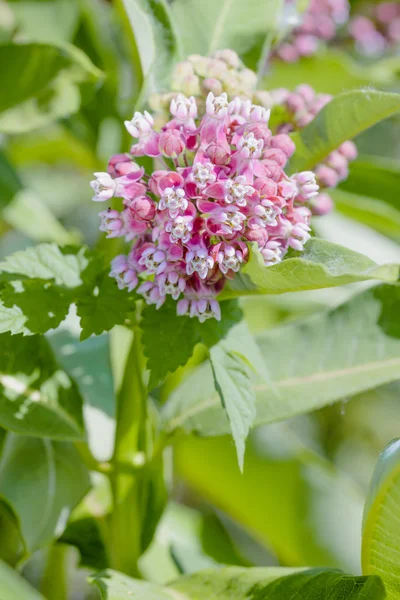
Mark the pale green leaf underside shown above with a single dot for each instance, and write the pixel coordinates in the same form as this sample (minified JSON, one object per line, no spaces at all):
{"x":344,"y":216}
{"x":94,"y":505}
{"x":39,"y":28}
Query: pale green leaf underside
{"x":381,"y":527}
{"x":347,"y":115}
{"x":46,"y":261}
{"x":321,"y":265}
{"x":312,"y":363}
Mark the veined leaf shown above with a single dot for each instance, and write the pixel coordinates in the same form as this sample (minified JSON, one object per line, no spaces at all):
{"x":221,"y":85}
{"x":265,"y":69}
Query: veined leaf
{"x":327,"y":357}
{"x":41,"y":481}
{"x":47,"y":261}
{"x":381,"y":530}
{"x":321,"y":265}
{"x":375,"y":178}
{"x":169,"y":340}
{"x":36,"y":396}
{"x":347,"y":115}
{"x":14,"y":587}
{"x":208,"y":26}
{"x":10,"y":182}
{"x":271,"y":583}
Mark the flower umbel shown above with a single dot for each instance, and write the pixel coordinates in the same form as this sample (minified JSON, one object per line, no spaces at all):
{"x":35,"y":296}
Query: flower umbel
{"x":222,"y":185}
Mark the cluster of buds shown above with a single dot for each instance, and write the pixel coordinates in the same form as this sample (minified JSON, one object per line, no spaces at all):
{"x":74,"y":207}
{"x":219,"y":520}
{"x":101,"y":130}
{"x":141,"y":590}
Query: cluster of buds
{"x":319,"y":23}
{"x":378,"y":30}
{"x":300,"y":107}
{"x":220,"y":184}
{"x":199,"y":75}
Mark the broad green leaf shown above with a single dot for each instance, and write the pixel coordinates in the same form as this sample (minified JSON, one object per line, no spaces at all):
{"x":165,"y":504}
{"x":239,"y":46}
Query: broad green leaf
{"x":155,"y":45}
{"x":208,"y":26}
{"x":389,"y":319}
{"x":14,"y":587}
{"x":41,"y":481}
{"x":373,"y":212}
{"x":36,"y":396}
{"x":321,"y":265}
{"x":41,"y":83}
{"x":270,"y":583}
{"x":47,"y":261}
{"x":104,"y":306}
{"x":288,"y":498}
{"x":12,"y":320}
{"x":169,"y":340}
{"x":328,"y":357}
{"x":381,"y":531}
{"x":85,"y":534}
{"x":347,"y":115}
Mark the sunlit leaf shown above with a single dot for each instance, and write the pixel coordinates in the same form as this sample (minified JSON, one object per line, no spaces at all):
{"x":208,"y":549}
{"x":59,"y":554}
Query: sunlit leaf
{"x":14,"y":587}
{"x":381,"y":530}
{"x":347,"y":115}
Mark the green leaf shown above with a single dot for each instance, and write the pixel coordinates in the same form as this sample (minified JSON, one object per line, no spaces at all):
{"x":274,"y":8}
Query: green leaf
{"x":49,"y":21}
{"x":373,"y":212}
{"x":208,"y":26}
{"x":104,"y":306}
{"x":231,"y":361}
{"x":10,"y":182}
{"x":288,"y":498}
{"x":347,"y":115}
{"x":375,"y":178}
{"x":271,"y":584}
{"x":40,"y":83}
{"x":154,"y":42}
{"x":381,"y":532}
{"x":85,"y":535}
{"x":390,"y":303}
{"x":234,"y":582}
{"x":41,"y":481}
{"x":169,"y":340}
{"x":14,"y":587}
{"x":328,"y":357}
{"x":36,"y":396}
{"x":48,"y":261}
{"x":321,"y":265}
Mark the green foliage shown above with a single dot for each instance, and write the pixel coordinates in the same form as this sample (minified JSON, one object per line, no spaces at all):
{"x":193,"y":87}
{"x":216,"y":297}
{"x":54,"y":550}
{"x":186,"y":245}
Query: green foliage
{"x":40,"y":83}
{"x":268,"y":583}
{"x":347,"y":115}
{"x":207,"y":26}
{"x":41,"y":481}
{"x":14,"y":587}
{"x":327,"y":357}
{"x":36,"y":396}
{"x":169,"y":339}
{"x":321,"y":265}
{"x":381,"y":542}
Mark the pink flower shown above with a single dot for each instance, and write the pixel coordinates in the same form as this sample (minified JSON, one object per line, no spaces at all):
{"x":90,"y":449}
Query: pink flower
{"x":112,"y":222}
{"x":229,"y":257}
{"x":124,"y":273}
{"x":121,"y":164}
{"x":171,"y":143}
{"x":171,"y":283}
{"x":104,"y":186}
{"x":306,"y":185}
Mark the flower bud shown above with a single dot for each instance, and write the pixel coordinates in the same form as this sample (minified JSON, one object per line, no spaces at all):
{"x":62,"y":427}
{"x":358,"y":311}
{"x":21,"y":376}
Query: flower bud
{"x":142,"y":208}
{"x":121,"y":164}
{"x":212,"y":85}
{"x":217,"y":153}
{"x":326,"y":176}
{"x":285,"y":143}
{"x":348,"y":150}
{"x":322,"y":204}
{"x":171,"y":143}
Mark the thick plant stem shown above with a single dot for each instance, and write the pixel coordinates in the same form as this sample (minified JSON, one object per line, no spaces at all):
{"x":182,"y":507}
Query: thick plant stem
{"x":54,"y":583}
{"x":128,"y":461}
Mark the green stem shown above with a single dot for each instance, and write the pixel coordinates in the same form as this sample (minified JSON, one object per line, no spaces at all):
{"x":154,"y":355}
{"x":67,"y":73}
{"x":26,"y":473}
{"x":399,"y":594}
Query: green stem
{"x":54,"y":584}
{"x":129,"y":456}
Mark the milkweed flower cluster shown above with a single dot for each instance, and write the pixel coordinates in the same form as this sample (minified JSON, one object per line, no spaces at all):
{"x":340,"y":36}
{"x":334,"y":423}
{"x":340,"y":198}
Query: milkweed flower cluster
{"x":318,"y":23}
{"x":220,"y":184}
{"x":300,"y":107}
{"x":377,"y":29}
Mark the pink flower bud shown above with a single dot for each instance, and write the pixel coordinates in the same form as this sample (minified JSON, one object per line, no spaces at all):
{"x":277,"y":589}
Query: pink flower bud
{"x":258,"y":235}
{"x":285,"y":143}
{"x":261,"y":131}
{"x":265,"y":187}
{"x":171,"y":143}
{"x":322,"y":204}
{"x":212,"y":85}
{"x":348,"y":150}
{"x":143,"y":208}
{"x":306,"y":92}
{"x":276,"y":155}
{"x":121,"y":164}
{"x":218,"y":153}
{"x":326,"y":176}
